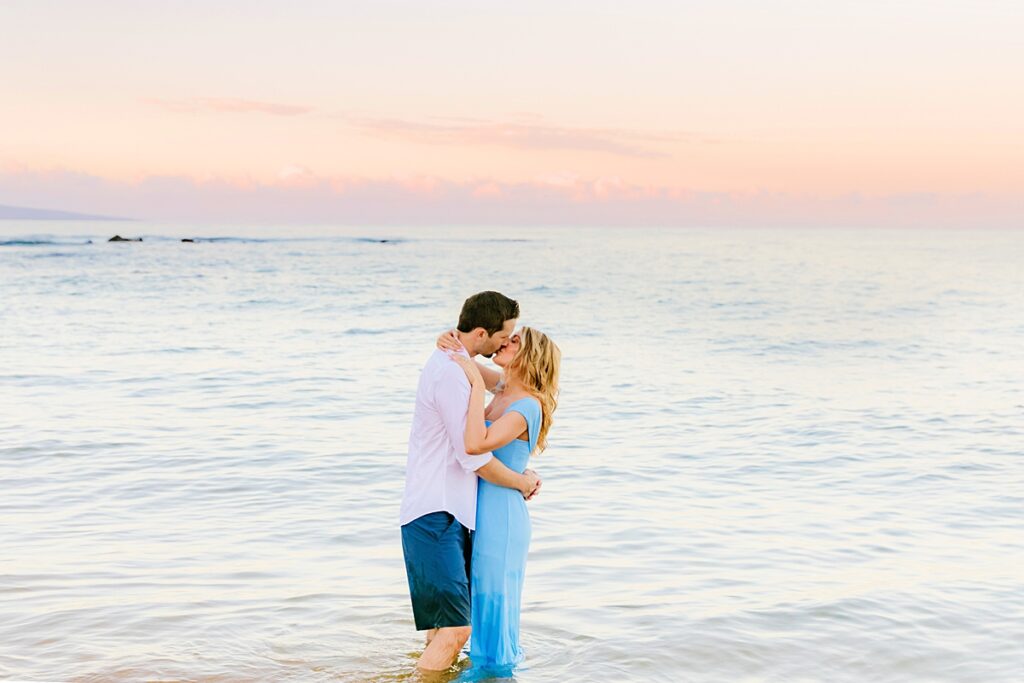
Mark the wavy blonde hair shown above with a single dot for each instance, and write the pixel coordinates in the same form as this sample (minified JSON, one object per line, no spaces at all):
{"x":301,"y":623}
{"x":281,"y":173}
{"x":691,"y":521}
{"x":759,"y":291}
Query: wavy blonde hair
{"x":536,"y":365}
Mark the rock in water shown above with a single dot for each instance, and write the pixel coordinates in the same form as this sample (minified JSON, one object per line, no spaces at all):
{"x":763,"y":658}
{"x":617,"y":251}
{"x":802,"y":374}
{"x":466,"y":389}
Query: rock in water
{"x":118,"y":238}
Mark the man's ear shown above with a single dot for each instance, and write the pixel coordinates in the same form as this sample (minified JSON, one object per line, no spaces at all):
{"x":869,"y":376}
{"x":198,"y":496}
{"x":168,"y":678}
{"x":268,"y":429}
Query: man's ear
{"x":474,"y":336}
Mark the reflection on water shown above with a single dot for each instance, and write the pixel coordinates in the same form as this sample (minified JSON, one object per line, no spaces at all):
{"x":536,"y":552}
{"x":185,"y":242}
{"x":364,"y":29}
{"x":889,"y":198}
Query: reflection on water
{"x":779,"y":455}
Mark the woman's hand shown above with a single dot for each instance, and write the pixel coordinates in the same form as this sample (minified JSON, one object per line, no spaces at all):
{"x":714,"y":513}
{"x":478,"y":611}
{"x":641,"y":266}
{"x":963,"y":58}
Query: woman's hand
{"x":470,"y":368}
{"x":449,"y":341}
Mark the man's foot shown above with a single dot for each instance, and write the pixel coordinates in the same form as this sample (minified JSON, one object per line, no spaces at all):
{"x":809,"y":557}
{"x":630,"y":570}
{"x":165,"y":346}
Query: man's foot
{"x":443,"y":649}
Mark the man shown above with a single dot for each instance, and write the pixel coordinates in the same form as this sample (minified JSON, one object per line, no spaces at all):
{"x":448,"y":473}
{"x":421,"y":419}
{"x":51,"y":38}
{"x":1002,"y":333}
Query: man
{"x":439,"y":506}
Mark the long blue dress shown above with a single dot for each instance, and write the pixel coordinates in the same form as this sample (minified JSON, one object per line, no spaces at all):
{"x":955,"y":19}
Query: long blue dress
{"x":500,"y":544}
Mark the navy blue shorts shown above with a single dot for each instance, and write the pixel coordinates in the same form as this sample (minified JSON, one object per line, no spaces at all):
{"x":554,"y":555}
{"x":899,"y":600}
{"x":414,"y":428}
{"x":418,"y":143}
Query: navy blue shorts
{"x":437,"y":550}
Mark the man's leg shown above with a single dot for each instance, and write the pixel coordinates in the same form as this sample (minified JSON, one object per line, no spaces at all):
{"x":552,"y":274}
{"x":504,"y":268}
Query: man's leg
{"x":437,"y":552}
{"x":443,"y":648}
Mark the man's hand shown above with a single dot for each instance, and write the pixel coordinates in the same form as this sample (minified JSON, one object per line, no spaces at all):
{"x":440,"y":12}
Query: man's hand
{"x":449,"y":341}
{"x":532,"y":484}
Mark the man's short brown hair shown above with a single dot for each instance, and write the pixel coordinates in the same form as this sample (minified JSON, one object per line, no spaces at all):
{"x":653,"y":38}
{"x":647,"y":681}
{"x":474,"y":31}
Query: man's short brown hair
{"x":488,"y":310}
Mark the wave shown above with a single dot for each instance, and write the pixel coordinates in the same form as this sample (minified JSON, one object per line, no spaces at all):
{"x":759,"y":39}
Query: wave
{"x":228,"y":240}
{"x":48,"y":241}
{"x":378,"y":240}
{"x":41,"y":242}
{"x":366,"y":330}
{"x":272,"y":240}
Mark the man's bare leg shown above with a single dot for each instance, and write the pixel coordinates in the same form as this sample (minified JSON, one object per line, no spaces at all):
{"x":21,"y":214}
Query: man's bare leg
{"x":443,"y":648}
{"x":430,"y":635}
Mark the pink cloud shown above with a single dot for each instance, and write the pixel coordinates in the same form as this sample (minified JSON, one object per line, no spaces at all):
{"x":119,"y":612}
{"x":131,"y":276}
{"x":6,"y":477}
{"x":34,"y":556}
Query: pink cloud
{"x":520,"y":134}
{"x":300,"y":197}
{"x":488,"y":189}
{"x":227,"y":105}
{"x":294,"y":174}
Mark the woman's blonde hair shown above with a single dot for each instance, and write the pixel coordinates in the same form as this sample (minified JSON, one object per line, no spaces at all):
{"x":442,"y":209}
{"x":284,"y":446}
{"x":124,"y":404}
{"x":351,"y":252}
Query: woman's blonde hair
{"x":535,"y":365}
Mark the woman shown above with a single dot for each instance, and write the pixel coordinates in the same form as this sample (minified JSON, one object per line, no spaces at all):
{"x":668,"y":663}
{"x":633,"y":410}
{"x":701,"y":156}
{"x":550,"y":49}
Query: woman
{"x":512,"y":426}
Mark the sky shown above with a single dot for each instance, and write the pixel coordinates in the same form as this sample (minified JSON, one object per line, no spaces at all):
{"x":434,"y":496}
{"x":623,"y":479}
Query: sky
{"x":902,"y":113}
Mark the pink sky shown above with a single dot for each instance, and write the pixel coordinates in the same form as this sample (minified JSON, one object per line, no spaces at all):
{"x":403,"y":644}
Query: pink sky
{"x":644,"y":113}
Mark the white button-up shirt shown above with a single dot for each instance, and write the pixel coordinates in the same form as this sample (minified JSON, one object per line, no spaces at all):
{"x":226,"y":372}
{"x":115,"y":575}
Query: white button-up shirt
{"x":439,"y":474}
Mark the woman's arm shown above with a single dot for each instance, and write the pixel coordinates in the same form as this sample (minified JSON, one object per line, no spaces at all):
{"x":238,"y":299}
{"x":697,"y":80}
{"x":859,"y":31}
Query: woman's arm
{"x":490,"y":375}
{"x":449,"y":341}
{"x":479,"y":437}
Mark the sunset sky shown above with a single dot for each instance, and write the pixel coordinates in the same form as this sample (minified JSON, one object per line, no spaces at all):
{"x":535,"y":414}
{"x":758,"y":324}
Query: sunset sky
{"x":908,"y":112}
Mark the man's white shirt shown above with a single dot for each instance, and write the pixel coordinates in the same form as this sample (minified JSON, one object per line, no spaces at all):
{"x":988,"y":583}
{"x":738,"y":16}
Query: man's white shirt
{"x":439,"y":474}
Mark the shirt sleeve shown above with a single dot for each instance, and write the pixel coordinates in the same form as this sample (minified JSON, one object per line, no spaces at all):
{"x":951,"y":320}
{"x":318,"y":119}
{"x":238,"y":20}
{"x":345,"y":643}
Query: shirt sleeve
{"x":451,"y":395}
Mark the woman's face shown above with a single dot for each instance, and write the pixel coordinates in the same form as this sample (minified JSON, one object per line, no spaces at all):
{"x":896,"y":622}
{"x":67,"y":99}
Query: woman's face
{"x":508,"y":352}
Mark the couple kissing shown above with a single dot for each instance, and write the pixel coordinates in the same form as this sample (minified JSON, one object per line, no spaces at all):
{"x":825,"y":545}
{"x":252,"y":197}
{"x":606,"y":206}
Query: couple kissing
{"x":465,"y":525}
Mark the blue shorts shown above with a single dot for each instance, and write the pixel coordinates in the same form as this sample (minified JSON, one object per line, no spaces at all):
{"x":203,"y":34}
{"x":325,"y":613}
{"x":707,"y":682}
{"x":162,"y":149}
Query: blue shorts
{"x":437,"y":550}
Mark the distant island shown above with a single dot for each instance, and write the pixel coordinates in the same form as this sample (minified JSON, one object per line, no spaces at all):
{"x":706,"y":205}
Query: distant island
{"x":26,"y":214}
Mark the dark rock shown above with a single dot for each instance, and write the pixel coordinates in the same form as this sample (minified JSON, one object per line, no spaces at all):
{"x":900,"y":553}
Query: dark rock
{"x":187,"y":239}
{"x":118,"y":238}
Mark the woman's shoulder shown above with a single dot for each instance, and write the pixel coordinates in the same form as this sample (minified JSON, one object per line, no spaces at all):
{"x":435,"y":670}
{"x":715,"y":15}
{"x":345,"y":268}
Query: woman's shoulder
{"x":528,"y":402}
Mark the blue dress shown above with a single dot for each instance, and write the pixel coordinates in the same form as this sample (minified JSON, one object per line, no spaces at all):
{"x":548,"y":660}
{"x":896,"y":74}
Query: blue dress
{"x":498,"y":564}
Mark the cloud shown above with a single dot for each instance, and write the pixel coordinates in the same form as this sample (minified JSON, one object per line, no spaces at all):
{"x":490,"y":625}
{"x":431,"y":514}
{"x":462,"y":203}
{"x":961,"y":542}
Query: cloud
{"x":299,"y":197}
{"x":226,"y":105}
{"x":522,"y":130}
{"x":522,"y":133}
{"x":294,"y":174}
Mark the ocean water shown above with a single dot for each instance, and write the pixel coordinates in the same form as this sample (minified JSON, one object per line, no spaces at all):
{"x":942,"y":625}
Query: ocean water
{"x":779,"y":455}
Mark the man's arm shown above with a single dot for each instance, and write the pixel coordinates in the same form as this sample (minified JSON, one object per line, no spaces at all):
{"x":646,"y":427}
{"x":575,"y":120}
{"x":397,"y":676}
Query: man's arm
{"x":497,"y":473}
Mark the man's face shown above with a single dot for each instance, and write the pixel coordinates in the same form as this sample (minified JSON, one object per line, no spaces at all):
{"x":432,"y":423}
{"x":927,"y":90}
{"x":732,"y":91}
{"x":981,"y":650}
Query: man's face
{"x":498,"y":340}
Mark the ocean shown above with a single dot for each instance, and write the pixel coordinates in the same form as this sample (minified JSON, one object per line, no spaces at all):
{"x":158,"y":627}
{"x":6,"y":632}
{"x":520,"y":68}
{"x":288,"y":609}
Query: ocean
{"x":779,"y":455}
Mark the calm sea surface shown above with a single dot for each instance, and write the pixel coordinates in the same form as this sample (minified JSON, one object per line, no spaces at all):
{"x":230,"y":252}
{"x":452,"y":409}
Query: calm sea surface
{"x":779,"y":455}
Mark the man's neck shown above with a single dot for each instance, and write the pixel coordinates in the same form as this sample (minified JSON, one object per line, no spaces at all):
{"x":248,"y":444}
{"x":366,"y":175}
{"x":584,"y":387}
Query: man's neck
{"x":466,"y":342}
